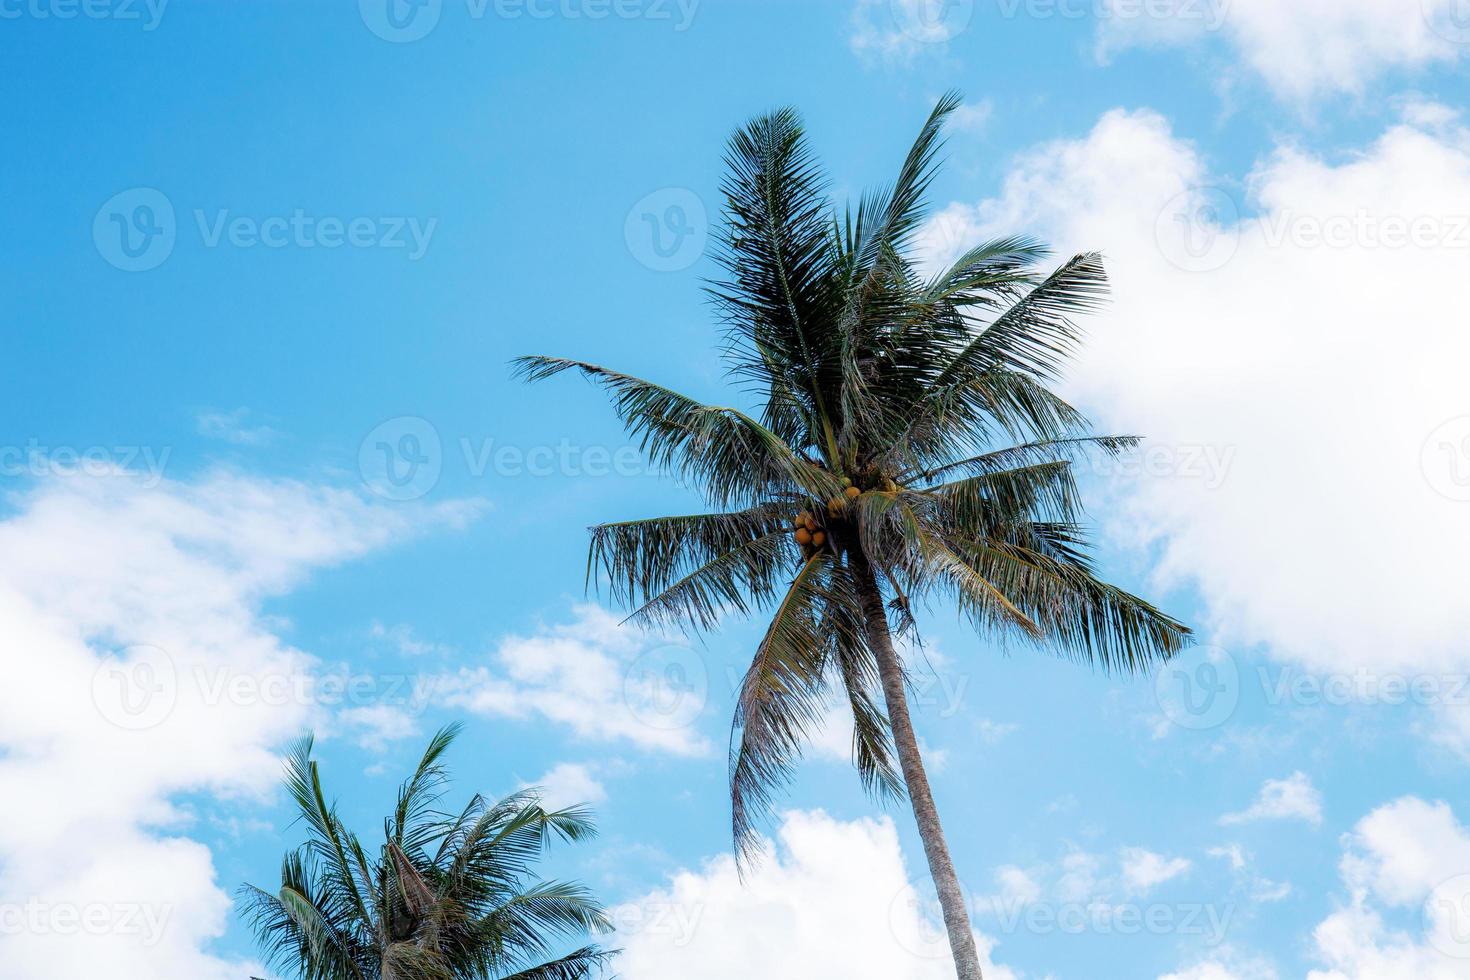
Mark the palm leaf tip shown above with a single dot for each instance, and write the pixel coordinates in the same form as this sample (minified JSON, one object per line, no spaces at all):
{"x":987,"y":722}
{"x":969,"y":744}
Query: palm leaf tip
{"x":445,"y":897}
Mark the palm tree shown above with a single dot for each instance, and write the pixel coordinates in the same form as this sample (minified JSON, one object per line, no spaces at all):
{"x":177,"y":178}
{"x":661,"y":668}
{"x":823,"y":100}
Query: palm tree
{"x":906,"y":448}
{"x":446,"y":897}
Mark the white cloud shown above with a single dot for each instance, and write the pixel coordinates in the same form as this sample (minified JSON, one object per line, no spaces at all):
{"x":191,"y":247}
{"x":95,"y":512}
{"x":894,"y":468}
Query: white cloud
{"x":234,"y":427}
{"x":376,"y":725}
{"x":1409,"y":855}
{"x":568,"y":784}
{"x":602,"y":680}
{"x":896,"y":32}
{"x":401,"y":637}
{"x":1292,"y":798}
{"x":1096,"y":882}
{"x":972,"y":117}
{"x":1143,"y":869}
{"x":991,"y":732}
{"x":1304,"y":48}
{"x":138,"y":667}
{"x":1257,"y":888}
{"x":1251,"y":346}
{"x":1218,"y":970}
{"x":1017,"y":886}
{"x":833,"y":900}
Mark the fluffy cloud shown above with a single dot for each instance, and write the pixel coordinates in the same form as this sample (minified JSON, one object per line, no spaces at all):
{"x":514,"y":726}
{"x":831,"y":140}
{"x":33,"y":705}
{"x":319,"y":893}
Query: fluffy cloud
{"x":138,"y":667}
{"x":1304,"y":48}
{"x":1143,"y":869}
{"x":1409,"y":856}
{"x":1217,"y":970}
{"x":898,"y":31}
{"x":1292,"y":798}
{"x":1305,"y":336}
{"x":833,"y":899}
{"x":1259,"y":889}
{"x":568,"y":784}
{"x":602,"y":680}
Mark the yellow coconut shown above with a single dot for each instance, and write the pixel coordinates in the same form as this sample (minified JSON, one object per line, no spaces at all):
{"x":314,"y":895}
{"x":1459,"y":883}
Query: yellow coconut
{"x":853,"y":492}
{"x":804,"y":537}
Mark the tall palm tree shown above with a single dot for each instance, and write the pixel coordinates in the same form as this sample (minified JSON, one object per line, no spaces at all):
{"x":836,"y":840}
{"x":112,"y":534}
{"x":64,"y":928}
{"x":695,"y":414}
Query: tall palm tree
{"x":906,"y":448}
{"x":446,"y":896}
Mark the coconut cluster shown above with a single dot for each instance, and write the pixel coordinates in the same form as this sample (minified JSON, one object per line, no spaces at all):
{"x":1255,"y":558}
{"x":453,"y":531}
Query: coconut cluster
{"x":809,"y":534}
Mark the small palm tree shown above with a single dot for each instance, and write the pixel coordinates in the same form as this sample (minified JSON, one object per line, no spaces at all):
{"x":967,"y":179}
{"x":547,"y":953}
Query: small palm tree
{"x":907,"y":448}
{"x":446,"y":897}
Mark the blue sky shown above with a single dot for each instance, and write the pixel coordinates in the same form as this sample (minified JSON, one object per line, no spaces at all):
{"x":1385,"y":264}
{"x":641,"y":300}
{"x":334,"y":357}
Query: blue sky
{"x":269,"y":441}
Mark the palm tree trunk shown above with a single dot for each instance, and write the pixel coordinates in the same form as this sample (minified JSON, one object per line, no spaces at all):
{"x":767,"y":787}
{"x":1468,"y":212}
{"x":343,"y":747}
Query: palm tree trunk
{"x":926,"y":815}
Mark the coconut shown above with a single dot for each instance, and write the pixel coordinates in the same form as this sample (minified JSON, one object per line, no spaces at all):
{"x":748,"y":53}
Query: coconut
{"x":853,"y":492}
{"x":804,"y":537}
{"x":819,"y":539}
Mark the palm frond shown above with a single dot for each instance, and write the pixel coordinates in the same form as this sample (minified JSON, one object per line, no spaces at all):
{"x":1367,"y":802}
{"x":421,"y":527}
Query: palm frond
{"x":779,"y":702}
{"x":732,"y":457}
